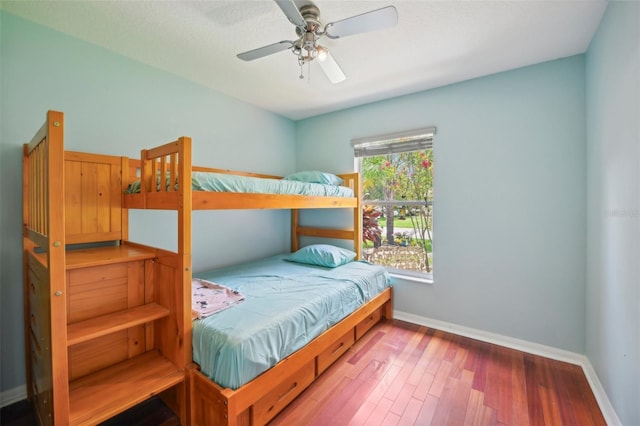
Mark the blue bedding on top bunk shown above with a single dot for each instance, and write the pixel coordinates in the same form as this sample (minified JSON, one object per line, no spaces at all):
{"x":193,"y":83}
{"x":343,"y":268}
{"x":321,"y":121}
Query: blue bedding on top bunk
{"x":287,"y":305}
{"x":220,"y":182}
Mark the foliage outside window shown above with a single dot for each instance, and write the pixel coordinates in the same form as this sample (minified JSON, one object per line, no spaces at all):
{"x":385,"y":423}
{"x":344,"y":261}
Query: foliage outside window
{"x":398,"y":207}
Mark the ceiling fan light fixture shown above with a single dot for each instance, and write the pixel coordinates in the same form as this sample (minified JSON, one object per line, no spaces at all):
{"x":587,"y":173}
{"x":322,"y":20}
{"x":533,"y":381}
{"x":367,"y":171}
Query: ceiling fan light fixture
{"x":323,"y":53}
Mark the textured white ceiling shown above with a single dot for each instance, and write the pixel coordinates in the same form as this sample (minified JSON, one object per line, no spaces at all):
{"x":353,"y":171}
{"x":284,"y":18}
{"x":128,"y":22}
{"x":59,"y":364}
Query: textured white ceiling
{"x":435,"y":43}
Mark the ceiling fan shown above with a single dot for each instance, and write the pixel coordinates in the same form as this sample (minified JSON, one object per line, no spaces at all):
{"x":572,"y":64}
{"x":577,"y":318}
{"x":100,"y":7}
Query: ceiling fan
{"x":309,"y":31}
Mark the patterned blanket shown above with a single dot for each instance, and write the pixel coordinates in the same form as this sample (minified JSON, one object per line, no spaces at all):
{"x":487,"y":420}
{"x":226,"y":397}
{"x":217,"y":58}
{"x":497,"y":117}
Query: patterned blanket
{"x":207,"y":298}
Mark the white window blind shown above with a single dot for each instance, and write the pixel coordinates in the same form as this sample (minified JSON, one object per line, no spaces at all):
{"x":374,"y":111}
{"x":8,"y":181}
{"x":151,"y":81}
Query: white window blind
{"x":412,"y":140}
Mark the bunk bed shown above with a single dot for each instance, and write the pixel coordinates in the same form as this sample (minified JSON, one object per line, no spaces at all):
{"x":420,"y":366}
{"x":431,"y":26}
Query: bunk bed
{"x":164,"y":178}
{"x":108,"y":321}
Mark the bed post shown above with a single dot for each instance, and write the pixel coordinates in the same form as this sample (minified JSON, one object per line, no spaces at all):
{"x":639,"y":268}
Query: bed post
{"x":357,"y":217}
{"x":184,"y":267}
{"x":184,"y":239}
{"x":44,"y":227}
{"x":295,"y":242}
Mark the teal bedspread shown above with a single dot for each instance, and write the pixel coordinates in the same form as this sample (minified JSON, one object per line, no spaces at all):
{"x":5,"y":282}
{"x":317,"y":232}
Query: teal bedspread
{"x":220,"y":182}
{"x":287,"y":305}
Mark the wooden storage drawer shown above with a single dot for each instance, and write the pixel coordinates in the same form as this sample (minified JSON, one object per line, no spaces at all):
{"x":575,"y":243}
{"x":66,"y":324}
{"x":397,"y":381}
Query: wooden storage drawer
{"x":40,"y":365}
{"x":333,"y":352}
{"x":280,"y":396}
{"x":367,"y":323}
{"x":41,"y":381}
{"x":39,"y":310}
{"x":43,"y":404}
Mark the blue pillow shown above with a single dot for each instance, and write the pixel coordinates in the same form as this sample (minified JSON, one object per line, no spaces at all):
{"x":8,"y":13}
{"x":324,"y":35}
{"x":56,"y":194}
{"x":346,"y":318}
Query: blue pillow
{"x":313,"y":176}
{"x":322,"y":255}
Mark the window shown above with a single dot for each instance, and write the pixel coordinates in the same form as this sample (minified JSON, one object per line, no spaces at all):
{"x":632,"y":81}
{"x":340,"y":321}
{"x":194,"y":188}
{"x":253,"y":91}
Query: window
{"x":397,"y":199}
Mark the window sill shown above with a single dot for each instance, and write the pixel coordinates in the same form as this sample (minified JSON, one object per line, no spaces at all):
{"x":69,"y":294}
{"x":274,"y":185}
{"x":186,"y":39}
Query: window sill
{"x":423,"y":280}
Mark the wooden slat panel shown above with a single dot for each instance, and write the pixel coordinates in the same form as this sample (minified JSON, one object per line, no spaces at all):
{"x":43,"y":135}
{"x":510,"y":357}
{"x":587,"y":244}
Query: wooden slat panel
{"x":234,"y":172}
{"x":93,"y":197}
{"x":161,"y":151}
{"x":93,"y":237}
{"x":95,"y":211}
{"x":93,"y":355}
{"x":345,"y":234}
{"x":97,"y":291}
{"x":40,"y":135}
{"x":73,"y":197}
{"x":169,"y":334}
{"x":228,"y":200}
{"x":136,"y":298}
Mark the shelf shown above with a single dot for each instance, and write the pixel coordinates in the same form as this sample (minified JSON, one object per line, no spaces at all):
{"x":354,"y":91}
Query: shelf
{"x":102,"y":395}
{"x":83,"y":258}
{"x":99,"y":326}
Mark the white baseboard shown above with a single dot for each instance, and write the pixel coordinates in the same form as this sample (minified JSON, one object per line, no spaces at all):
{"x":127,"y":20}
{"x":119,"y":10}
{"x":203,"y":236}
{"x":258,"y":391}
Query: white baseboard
{"x":601,"y":396}
{"x":10,"y":396}
{"x":522,"y":345}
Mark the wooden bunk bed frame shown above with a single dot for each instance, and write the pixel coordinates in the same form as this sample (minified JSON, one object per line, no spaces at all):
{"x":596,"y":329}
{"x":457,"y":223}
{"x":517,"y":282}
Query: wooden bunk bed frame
{"x":73,"y":198}
{"x":258,"y":401}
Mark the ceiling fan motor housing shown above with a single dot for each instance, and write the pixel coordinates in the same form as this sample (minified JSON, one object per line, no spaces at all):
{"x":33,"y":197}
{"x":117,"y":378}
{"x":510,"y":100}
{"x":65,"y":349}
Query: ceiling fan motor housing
{"x":311,"y":15}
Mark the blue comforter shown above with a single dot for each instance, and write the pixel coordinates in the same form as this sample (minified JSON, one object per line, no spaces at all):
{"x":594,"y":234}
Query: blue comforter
{"x":220,"y":182}
{"x":287,"y":305}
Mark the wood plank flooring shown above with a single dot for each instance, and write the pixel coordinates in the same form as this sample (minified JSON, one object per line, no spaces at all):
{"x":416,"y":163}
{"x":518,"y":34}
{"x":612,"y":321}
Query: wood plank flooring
{"x":405,"y":374}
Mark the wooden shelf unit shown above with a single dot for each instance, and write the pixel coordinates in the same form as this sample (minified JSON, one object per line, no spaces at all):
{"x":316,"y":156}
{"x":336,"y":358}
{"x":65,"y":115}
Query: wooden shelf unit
{"x":101,"y":395}
{"x":96,"y":256}
{"x":105,"y":322}
{"x":99,"y":326}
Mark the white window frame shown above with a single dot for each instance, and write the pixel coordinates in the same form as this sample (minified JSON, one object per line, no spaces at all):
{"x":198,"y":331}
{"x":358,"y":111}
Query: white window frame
{"x":392,"y":143}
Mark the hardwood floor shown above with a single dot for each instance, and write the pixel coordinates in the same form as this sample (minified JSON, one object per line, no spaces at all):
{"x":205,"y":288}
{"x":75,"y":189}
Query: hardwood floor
{"x":405,"y":374}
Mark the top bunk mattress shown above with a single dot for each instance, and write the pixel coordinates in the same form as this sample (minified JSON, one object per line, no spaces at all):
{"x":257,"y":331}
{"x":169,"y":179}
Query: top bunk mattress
{"x":221,"y":182}
{"x":286,"y":306}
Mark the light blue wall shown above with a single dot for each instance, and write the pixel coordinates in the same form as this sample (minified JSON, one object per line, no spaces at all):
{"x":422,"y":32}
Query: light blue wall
{"x":513,"y":172}
{"x":509,"y":220}
{"x":613,"y":219}
{"x":114,"y":105}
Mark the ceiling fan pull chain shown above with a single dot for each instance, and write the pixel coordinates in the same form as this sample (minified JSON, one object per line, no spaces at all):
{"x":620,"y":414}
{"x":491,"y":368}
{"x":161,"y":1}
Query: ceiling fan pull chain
{"x":301,"y":76}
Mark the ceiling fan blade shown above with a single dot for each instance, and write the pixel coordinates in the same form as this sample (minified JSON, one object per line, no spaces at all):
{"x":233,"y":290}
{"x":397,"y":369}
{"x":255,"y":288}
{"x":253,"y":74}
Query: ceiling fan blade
{"x":368,"y":21}
{"x":265,"y":50}
{"x":292,"y":13}
{"x":332,"y":69}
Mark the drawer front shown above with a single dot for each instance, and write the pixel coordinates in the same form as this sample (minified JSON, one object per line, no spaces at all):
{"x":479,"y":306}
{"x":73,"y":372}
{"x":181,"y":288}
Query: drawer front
{"x":41,"y":373}
{"x":268,"y":406}
{"x":43,"y":404}
{"x":366,"y":324}
{"x":39,"y":309}
{"x":333,"y":352}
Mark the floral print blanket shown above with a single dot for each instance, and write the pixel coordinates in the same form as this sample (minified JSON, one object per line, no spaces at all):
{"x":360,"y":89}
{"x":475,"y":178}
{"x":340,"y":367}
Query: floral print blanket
{"x":207,"y":298}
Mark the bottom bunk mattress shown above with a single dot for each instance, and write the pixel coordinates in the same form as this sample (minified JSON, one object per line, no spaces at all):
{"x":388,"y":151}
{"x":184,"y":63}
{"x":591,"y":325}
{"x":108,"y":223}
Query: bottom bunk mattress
{"x":285,"y":306}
